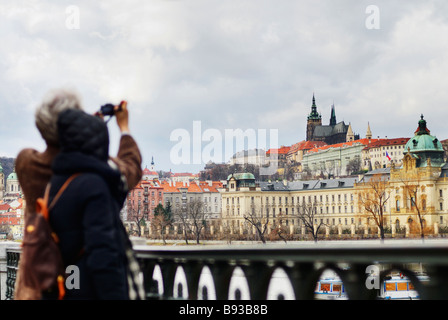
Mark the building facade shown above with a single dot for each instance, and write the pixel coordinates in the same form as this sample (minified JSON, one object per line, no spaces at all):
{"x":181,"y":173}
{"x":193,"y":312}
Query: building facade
{"x":332,"y":160}
{"x":143,"y":199}
{"x":416,"y":196}
{"x":383,"y":152}
{"x":179,"y":194}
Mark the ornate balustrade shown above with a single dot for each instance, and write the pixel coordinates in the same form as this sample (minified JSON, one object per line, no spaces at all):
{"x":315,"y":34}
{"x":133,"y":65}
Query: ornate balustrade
{"x":180,"y":270}
{"x":206,"y":271}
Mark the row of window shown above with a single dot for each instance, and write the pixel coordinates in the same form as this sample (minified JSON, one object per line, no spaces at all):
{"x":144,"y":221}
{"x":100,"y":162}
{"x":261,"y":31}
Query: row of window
{"x":305,"y":199}
{"x":334,"y":209}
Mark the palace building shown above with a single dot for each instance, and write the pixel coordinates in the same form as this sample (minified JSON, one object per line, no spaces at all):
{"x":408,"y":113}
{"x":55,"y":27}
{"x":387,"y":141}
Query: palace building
{"x":415,"y":187}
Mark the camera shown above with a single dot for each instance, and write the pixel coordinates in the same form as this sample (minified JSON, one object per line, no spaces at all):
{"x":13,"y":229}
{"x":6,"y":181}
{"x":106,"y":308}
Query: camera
{"x":109,"y":109}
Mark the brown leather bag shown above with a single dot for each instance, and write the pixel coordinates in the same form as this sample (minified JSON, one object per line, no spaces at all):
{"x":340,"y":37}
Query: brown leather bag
{"x":44,"y":269}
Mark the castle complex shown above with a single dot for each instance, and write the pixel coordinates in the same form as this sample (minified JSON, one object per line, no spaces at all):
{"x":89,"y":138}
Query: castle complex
{"x":415,"y":196}
{"x":334,"y":132}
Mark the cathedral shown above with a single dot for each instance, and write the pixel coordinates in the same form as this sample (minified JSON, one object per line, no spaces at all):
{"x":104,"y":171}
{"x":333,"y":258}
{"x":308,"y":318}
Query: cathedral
{"x":332,"y":133}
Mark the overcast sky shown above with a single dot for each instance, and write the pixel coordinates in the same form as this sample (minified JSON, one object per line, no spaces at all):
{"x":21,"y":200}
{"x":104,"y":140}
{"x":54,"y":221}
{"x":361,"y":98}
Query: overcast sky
{"x":227,"y":63}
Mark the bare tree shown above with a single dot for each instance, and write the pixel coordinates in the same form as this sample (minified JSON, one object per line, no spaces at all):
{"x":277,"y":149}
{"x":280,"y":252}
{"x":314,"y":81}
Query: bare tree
{"x":307,"y":214}
{"x":135,"y":214}
{"x":372,"y":199}
{"x":181,"y":216}
{"x":162,"y":219}
{"x":415,"y":197}
{"x":353,"y":166}
{"x":258,"y":222}
{"x":195,"y":214}
{"x":280,"y":228}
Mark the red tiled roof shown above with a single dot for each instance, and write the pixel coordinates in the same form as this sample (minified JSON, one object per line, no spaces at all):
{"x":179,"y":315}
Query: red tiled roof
{"x":183,"y":174}
{"x":192,"y":187}
{"x":306,"y":145}
{"x":9,"y":220}
{"x":4,"y":206}
{"x":387,"y":142}
{"x":282,"y":150}
{"x":146,"y":171}
{"x":343,"y":144}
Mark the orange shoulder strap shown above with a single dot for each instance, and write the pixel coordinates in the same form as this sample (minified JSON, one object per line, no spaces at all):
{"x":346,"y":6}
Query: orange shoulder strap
{"x":61,"y":190}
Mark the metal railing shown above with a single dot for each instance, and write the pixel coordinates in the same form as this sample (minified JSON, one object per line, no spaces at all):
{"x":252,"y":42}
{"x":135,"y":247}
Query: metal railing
{"x":303,"y":265}
{"x":181,"y":268}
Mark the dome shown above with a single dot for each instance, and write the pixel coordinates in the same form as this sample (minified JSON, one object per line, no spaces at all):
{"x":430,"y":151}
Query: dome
{"x":247,"y":176}
{"x":12,"y":176}
{"x":425,"y":142}
{"x":425,"y":146}
{"x":242,"y":176}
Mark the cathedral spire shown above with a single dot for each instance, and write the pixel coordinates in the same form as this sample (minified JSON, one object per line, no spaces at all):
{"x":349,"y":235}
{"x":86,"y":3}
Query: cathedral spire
{"x":314,"y":115}
{"x":333,"y":116}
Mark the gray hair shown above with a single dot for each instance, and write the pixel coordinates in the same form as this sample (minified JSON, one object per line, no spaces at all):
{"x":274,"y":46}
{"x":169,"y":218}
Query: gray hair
{"x":47,"y":112}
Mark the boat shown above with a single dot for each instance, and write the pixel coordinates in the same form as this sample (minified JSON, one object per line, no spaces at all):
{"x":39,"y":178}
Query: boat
{"x":395,"y":287}
{"x":399,"y":287}
{"x":330,"y":289}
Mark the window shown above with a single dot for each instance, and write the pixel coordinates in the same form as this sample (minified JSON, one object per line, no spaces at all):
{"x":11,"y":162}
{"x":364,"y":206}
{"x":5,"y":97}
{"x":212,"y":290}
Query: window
{"x":397,"y":205}
{"x":440,"y":193}
{"x":441,"y":206}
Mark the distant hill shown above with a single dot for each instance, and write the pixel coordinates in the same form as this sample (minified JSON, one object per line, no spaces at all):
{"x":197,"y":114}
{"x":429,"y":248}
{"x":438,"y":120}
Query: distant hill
{"x":7,"y":165}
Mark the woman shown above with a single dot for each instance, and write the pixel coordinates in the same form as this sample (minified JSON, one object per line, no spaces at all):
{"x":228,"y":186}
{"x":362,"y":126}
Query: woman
{"x":86,"y":217}
{"x":34,"y":167}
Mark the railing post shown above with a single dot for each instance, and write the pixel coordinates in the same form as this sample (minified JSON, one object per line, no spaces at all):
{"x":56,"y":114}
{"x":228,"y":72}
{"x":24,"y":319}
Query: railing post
{"x":437,"y":289}
{"x":193,"y":272}
{"x":147,"y":267}
{"x":303,"y":279}
{"x":355,"y":283}
{"x":222,"y":273}
{"x":258,"y":275}
{"x":168,"y":269}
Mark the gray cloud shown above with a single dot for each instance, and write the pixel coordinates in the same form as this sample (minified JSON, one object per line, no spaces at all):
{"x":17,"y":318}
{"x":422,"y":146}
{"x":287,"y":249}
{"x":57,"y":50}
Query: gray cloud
{"x":230,"y":64}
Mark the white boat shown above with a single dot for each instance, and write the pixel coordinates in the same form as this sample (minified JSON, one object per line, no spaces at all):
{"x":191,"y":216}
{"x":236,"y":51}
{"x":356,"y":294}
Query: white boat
{"x":330,"y":289}
{"x":400,"y":288}
{"x":397,"y":287}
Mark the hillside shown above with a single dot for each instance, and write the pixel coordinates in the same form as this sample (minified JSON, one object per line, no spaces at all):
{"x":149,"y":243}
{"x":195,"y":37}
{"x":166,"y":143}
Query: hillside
{"x":7,"y":165}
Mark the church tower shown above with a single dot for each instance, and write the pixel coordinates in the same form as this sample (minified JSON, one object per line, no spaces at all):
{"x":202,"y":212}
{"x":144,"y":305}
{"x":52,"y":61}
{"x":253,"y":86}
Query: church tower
{"x":152,"y":164}
{"x":350,"y":134}
{"x":369,"y":132}
{"x":314,"y":119}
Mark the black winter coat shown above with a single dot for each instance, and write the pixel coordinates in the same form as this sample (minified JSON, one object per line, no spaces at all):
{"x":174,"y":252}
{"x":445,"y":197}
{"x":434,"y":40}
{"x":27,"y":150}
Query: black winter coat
{"x":86,"y":219}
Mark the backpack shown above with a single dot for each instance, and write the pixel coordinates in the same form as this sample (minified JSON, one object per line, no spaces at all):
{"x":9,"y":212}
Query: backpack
{"x":43,"y":265}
